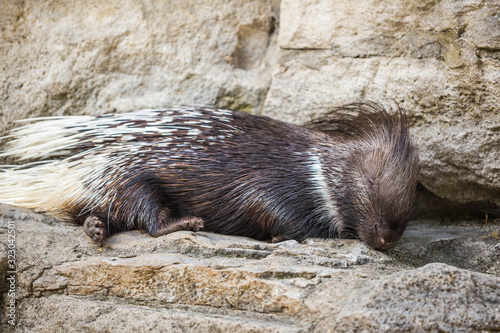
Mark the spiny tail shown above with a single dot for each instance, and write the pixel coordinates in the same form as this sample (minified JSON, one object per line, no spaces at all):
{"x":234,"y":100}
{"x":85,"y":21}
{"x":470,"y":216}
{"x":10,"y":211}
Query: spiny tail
{"x":50,"y":138}
{"x":61,"y":180}
{"x":48,"y":187}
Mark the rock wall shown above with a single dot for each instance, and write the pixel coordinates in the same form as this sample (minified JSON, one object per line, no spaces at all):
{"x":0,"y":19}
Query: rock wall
{"x":95,"y":57}
{"x":439,"y":59}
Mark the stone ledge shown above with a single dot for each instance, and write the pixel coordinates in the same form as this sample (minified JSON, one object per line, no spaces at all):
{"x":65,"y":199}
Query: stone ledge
{"x":206,"y":282}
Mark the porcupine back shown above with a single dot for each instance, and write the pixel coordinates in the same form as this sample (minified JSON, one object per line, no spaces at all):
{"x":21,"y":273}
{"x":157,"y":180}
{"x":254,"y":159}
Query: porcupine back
{"x":226,"y":167}
{"x":243,"y":174}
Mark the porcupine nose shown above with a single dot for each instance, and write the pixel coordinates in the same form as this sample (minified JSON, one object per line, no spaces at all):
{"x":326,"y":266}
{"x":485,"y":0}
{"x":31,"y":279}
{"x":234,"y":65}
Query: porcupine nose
{"x":383,"y":245}
{"x":383,"y":241}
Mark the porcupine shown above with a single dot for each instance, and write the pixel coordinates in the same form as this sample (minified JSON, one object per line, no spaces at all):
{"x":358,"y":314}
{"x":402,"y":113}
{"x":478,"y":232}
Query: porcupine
{"x":351,"y":173}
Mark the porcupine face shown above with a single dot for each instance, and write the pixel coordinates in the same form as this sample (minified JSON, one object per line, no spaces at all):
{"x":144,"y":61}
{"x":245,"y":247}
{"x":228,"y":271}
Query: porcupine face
{"x":376,"y":188}
{"x":382,"y":193}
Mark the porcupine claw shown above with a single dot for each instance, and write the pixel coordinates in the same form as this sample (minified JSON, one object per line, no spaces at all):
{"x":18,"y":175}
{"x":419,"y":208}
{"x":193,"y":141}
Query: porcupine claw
{"x":95,"y":229}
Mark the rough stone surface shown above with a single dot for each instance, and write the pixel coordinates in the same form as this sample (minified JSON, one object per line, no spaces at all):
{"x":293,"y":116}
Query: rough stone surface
{"x":126,"y":55}
{"x":393,"y":28}
{"x":206,"y":282}
{"x":95,"y":316}
{"x":466,"y":301}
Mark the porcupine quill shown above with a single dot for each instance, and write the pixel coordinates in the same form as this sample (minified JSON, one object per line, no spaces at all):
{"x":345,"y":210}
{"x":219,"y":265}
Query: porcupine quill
{"x":351,"y":173}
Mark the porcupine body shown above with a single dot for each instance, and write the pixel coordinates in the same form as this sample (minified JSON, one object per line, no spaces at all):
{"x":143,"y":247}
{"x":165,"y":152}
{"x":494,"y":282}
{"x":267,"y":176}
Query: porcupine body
{"x":347,"y":175}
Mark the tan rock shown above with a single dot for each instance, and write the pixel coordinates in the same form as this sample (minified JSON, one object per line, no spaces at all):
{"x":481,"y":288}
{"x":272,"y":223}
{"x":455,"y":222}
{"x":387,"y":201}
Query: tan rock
{"x":201,"y":281}
{"x":88,"y":315}
{"x":126,"y":55}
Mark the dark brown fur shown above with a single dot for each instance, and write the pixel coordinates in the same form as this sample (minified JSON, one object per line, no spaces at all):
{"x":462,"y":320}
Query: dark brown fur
{"x":382,"y":153}
{"x":351,"y":173}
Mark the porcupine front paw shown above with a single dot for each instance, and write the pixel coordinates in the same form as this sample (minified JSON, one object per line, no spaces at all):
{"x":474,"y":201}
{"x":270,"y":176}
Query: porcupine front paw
{"x":193,"y":223}
{"x":278,"y":239}
{"x":95,"y":229}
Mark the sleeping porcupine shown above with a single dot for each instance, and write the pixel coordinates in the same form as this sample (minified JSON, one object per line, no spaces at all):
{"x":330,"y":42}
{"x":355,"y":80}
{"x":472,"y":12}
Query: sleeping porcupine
{"x":351,"y":174}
